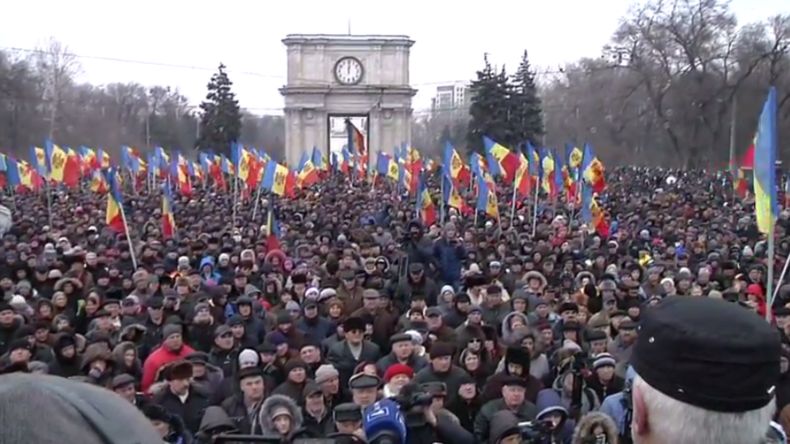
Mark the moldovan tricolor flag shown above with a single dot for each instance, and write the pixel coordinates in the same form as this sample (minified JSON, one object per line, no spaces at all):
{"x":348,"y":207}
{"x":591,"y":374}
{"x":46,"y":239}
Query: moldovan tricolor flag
{"x":501,"y":161}
{"x":425,"y":207}
{"x":114,"y":217}
{"x":168,"y":219}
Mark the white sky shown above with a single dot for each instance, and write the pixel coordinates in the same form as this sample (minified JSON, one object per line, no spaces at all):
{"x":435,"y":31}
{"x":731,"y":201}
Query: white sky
{"x":451,"y":37}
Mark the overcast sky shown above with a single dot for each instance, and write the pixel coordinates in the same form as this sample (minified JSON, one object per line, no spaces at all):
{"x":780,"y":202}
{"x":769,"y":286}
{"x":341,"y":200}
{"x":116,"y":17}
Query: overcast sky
{"x":451,"y":37}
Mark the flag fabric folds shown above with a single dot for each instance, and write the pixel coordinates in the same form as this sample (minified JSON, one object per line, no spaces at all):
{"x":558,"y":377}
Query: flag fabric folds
{"x":278,"y":180}
{"x":593,"y":170}
{"x":168,"y":219}
{"x":425,"y":206}
{"x":114,"y":217}
{"x":501,"y":161}
{"x":766,"y":207}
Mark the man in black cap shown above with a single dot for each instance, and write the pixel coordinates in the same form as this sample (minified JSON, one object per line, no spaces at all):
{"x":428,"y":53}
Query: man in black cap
{"x":124,"y":385}
{"x":706,"y":371}
{"x":513,"y":399}
{"x":403,"y":352}
{"x":345,"y":355}
{"x":348,"y":418}
{"x":364,"y":389}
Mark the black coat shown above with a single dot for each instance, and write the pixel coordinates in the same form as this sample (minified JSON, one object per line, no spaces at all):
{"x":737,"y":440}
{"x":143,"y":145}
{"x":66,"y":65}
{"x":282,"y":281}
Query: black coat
{"x":190,"y":411}
{"x":344,"y":361}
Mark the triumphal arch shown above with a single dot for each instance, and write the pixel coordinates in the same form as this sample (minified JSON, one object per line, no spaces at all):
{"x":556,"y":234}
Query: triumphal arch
{"x":347,"y":76}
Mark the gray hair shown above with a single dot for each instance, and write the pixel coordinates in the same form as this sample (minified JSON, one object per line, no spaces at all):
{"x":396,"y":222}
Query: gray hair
{"x":676,"y":422}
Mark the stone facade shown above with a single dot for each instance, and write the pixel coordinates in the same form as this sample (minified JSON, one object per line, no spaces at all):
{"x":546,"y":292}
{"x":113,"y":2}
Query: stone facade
{"x":313,"y":93}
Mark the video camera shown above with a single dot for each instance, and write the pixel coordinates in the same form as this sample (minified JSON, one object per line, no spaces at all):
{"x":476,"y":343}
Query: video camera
{"x":534,"y":432}
{"x":389,"y":420}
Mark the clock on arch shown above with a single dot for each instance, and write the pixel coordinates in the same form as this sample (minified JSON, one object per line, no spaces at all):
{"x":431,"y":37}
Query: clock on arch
{"x":349,"y":71}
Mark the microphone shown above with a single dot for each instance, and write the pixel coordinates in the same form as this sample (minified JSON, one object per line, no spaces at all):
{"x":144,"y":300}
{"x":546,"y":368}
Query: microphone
{"x":595,"y":428}
{"x":383,"y":423}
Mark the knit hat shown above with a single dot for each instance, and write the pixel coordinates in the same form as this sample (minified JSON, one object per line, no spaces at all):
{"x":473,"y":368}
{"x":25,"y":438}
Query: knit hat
{"x":325,"y":373}
{"x":169,"y":330}
{"x":441,"y":349}
{"x":277,"y":338}
{"x":75,"y":412}
{"x":294,"y":364}
{"x":602,"y":360}
{"x":292,"y":306}
{"x":248,"y":358}
{"x":398,"y":369}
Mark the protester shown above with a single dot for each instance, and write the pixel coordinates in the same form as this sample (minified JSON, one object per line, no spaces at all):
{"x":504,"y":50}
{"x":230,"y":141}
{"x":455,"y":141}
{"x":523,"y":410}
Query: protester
{"x":353,"y":296}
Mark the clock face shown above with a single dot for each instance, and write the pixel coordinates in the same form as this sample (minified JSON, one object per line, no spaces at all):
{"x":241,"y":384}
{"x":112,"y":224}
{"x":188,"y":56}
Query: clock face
{"x":348,"y":71}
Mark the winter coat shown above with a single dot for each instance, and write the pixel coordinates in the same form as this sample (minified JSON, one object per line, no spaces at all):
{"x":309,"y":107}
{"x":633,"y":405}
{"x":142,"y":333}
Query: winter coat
{"x":268,"y":408}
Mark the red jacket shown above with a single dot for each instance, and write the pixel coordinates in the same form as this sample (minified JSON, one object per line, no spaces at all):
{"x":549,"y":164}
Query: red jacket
{"x":158,"y":359}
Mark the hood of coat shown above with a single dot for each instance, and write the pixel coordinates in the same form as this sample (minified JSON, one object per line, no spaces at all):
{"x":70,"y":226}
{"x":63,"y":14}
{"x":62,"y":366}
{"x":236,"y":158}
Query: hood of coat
{"x":274,"y":403}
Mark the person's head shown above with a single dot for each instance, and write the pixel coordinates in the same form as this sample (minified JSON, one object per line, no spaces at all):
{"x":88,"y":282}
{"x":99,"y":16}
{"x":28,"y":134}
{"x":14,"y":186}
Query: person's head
{"x":441,"y":357}
{"x":513,"y":391}
{"x":402,"y":346}
{"x":172,"y":337}
{"x":691,"y":385}
{"x":178,"y":376}
{"x":660,"y":419}
{"x":310,"y":353}
{"x":251,"y":384}
{"x":328,"y":378}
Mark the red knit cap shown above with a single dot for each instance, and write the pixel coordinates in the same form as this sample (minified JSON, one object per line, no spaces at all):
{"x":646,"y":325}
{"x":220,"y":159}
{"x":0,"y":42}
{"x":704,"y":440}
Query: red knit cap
{"x":398,"y":369}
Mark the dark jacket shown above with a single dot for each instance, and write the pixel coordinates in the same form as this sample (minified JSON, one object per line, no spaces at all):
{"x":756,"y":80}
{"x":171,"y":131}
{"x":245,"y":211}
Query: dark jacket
{"x":240,"y":416}
{"x":526,"y":412}
{"x":190,"y":411}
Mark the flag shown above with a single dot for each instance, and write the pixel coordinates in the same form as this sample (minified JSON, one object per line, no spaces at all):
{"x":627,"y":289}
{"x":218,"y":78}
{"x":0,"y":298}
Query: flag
{"x":356,"y":147}
{"x":98,"y":183}
{"x":387,"y":167}
{"x":765,"y":146}
{"x":180,"y":174}
{"x":168,"y":219}
{"x":547,"y":178}
{"x":592,"y":170}
{"x":501,"y":160}
{"x":451,"y":196}
{"x":486,"y":198}
{"x":271,"y":230}
{"x":318,"y":160}
{"x":308,"y":174}
{"x":114,"y":216}
{"x":523,"y":181}
{"x":591,"y":213}
{"x":278,"y":180}
{"x":425,"y":206}
{"x":453,"y":165}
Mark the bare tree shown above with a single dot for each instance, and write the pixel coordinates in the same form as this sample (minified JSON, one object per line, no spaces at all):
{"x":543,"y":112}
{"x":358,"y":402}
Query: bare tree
{"x":58,"y":69}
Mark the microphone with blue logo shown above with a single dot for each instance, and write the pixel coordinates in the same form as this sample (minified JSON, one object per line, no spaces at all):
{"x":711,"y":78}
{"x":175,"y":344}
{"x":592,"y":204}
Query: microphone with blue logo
{"x":383,"y":423}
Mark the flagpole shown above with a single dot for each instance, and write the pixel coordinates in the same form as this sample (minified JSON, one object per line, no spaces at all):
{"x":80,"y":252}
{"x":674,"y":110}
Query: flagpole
{"x":48,"y":190}
{"x":441,"y":216}
{"x":513,"y":204}
{"x":535,"y":209}
{"x":128,"y":236}
{"x":781,"y":278}
{"x":235,"y":196}
{"x":770,"y":279}
{"x":257,"y":202}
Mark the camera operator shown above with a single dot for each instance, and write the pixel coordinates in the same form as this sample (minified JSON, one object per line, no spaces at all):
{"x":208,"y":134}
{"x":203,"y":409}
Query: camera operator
{"x":348,"y":419}
{"x":425,"y":426}
{"x":504,"y":428}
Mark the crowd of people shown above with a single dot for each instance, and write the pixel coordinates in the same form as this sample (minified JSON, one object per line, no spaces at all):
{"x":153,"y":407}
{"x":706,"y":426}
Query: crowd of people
{"x":225,"y":329}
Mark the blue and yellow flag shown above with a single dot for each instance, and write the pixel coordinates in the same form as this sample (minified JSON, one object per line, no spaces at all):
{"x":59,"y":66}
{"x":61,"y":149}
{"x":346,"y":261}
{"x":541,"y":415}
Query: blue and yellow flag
{"x":766,"y":207}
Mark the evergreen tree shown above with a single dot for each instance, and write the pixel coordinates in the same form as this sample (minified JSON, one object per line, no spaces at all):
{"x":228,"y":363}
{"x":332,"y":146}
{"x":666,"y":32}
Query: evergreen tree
{"x":488,"y":107}
{"x":526,"y":110}
{"x":220,"y":120}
